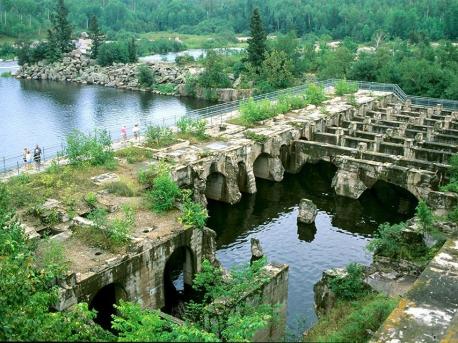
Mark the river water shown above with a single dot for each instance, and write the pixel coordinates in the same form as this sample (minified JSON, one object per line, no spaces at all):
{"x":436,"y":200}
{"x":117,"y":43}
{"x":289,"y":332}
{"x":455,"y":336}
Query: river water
{"x":341,"y":231}
{"x":44,"y":112}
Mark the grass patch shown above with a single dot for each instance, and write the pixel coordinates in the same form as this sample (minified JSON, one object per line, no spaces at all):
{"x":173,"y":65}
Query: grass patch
{"x":352,"y":321}
{"x":6,"y":74}
{"x":343,"y":87}
{"x":121,"y":189}
{"x":159,"y":137}
{"x":134,"y":154}
{"x":255,"y":137}
{"x":168,"y":88}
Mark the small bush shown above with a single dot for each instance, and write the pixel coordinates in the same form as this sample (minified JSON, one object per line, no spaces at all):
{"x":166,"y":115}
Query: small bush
{"x":167,"y":88}
{"x":452,"y":186}
{"x":145,"y":76}
{"x":146,"y":176}
{"x":193,"y":214}
{"x":91,"y":199}
{"x":252,"y":112}
{"x":351,"y":286}
{"x":425,"y":217}
{"x":189,"y":126}
{"x":315,"y":94}
{"x":184,"y":59}
{"x":158,"y":137}
{"x":453,"y":215}
{"x":93,"y":149}
{"x":121,"y":189}
{"x":110,"y":53}
{"x":255,"y":137}
{"x":119,"y":228}
{"x":163,"y":194}
{"x":343,"y":87}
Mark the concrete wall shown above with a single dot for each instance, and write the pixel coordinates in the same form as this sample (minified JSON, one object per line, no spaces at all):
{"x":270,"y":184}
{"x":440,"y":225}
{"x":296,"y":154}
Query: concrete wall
{"x":140,"y":273}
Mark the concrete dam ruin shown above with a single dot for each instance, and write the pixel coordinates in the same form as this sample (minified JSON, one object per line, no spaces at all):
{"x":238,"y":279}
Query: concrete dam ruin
{"x":377,"y":143}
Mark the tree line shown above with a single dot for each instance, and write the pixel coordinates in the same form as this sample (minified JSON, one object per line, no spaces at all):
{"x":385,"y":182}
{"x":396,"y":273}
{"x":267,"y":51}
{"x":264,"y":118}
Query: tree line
{"x":358,"y":19}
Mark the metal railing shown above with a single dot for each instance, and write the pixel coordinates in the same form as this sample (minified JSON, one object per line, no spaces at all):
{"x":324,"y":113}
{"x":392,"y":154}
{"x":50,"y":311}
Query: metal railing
{"x":217,"y":112}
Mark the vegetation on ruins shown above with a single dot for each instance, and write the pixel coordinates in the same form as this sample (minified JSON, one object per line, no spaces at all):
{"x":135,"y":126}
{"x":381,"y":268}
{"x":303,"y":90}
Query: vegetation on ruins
{"x":395,"y":241}
{"x":94,"y":149}
{"x":134,"y":154}
{"x":255,"y":136}
{"x":163,"y":194}
{"x":343,"y":87}
{"x":352,"y":321}
{"x":350,"y":287}
{"x":193,"y":214}
{"x":191,"y":128}
{"x":28,"y":288}
{"x":314,"y":94}
{"x":452,"y":185}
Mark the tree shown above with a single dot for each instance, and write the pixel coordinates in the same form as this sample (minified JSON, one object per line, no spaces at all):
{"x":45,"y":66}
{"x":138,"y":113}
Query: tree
{"x":213,"y":76}
{"x":96,"y":35}
{"x":132,"y":50}
{"x":257,"y":43}
{"x":60,"y":34}
{"x":110,"y":53}
{"x":277,"y":69}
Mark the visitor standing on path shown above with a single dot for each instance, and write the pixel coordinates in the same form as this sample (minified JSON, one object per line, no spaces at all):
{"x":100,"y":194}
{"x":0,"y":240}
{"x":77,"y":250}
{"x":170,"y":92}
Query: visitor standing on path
{"x":124,"y":133}
{"x":37,"y":156}
{"x":136,"y":131}
{"x":26,"y":156}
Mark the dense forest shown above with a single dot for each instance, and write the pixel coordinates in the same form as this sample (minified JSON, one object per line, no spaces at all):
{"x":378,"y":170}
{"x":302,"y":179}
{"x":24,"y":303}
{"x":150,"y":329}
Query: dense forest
{"x":359,"y":19}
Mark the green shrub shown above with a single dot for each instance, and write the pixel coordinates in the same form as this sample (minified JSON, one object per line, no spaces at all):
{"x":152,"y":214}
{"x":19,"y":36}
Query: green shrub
{"x":91,"y":199}
{"x":184,"y":59}
{"x":253,"y":111}
{"x":146,"y":176}
{"x":120,"y":188}
{"x":256,"y":137}
{"x":158,"y":137}
{"x":315,"y":94}
{"x":119,"y":228}
{"x":164,"y":193}
{"x":193,"y":213}
{"x":343,"y":87}
{"x":452,"y":186}
{"x":424,"y":216}
{"x":352,"y":321}
{"x":167,"y":88}
{"x":453,"y":215}
{"x":351,"y":286}
{"x":145,"y":76}
{"x":110,"y":53}
{"x":190,"y":126}
{"x":93,"y":149}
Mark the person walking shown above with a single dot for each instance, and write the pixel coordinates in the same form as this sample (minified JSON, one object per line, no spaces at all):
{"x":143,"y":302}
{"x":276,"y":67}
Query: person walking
{"x":136,"y":131}
{"x":37,"y":156}
{"x":124,"y":133}
{"x":26,"y":158}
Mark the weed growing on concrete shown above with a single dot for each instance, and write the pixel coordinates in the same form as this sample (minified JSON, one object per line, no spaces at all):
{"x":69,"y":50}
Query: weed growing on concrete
{"x":134,"y":154}
{"x":121,"y":189}
{"x":163,"y":193}
{"x":315,"y":95}
{"x":343,"y":87}
{"x":255,"y":137}
{"x":350,"y":286}
{"x":193,"y":214}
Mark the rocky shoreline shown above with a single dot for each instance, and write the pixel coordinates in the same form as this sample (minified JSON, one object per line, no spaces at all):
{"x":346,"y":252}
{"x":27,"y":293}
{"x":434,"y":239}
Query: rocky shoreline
{"x":81,"y":69}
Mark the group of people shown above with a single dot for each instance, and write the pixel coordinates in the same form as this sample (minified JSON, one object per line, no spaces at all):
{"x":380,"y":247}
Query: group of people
{"x":135,"y":131}
{"x":28,"y":158}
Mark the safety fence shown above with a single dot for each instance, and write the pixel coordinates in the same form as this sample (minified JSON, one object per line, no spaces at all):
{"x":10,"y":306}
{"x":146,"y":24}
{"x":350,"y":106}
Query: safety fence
{"x":218,"y":112}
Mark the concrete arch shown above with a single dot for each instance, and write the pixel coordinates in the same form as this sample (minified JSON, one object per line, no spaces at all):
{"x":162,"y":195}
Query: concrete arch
{"x":103,"y":302}
{"x":178,"y":274}
{"x":245,"y":179}
{"x":268,"y":167}
{"x":216,"y":187}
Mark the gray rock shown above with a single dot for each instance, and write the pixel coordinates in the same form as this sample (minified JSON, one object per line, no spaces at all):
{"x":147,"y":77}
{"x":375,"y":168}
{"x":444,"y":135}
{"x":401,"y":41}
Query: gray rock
{"x":307,"y":211}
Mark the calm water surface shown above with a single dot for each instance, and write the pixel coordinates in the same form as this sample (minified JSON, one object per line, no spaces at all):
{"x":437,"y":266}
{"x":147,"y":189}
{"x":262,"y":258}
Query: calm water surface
{"x":44,"y":112}
{"x":341,"y":231}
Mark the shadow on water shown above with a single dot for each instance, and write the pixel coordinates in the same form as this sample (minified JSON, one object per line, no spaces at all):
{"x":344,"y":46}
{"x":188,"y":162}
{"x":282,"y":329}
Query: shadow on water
{"x":339,"y":235}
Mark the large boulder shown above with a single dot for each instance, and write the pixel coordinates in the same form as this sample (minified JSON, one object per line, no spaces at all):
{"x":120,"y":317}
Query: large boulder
{"x":307,"y":211}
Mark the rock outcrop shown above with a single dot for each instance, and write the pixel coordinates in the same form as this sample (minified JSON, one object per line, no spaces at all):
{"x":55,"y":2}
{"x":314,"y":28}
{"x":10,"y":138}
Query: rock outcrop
{"x":307,"y":211}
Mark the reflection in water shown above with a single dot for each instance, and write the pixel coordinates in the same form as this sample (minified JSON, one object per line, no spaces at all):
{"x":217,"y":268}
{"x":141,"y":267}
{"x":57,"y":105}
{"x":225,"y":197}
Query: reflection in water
{"x":339,"y":235}
{"x":44,"y":112}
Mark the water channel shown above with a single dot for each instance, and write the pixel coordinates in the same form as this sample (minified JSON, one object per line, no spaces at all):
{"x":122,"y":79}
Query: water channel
{"x":341,"y":231}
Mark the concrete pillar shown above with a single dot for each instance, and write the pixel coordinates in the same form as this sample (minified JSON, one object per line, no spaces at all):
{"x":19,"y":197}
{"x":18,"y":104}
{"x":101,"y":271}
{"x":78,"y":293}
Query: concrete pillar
{"x":398,"y":108}
{"x":268,"y":168}
{"x":429,"y":112}
{"x":367,"y":124}
{"x":447,"y":121}
{"x":378,"y":116}
{"x":408,"y":105}
{"x":378,"y":139}
{"x":389,"y":113}
{"x":408,"y":144}
{"x":348,"y":184}
{"x":362,"y":147}
{"x":188,"y":271}
{"x":402,"y":129}
{"x":429,"y":133}
{"x":389,"y":133}
{"x":419,"y":137}
{"x":339,"y":135}
{"x":421,"y":118}
{"x":438,"y":109}
{"x":455,"y":115}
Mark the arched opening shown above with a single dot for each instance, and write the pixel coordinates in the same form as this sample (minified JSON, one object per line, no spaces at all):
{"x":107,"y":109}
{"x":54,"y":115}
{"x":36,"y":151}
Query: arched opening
{"x":268,"y":168}
{"x":104,"y":301}
{"x":216,"y":187}
{"x":178,"y":274}
{"x":318,"y":176}
{"x":387,"y":197}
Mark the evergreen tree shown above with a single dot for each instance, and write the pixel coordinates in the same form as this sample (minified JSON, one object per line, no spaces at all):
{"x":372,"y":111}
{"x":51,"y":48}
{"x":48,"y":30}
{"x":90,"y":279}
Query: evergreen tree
{"x":59,"y":36}
{"x":132,"y":50}
{"x":96,"y":35}
{"x":257,"y":43}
